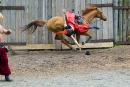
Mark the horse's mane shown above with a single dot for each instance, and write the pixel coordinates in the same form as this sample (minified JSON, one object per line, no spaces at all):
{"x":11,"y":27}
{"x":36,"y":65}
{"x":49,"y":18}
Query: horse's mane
{"x":87,"y":10}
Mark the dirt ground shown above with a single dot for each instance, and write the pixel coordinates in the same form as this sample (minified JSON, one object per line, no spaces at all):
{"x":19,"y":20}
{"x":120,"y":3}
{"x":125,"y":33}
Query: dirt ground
{"x":103,"y":68}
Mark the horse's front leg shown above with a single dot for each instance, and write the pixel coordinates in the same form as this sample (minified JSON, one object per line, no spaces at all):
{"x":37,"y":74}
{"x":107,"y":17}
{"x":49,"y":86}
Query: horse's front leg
{"x":89,"y":36}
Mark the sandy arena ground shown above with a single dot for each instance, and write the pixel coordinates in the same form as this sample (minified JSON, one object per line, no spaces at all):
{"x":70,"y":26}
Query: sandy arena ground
{"x":103,"y":68}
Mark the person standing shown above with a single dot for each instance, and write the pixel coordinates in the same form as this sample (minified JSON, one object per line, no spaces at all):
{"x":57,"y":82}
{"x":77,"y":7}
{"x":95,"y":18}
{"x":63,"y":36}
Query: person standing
{"x":4,"y":66}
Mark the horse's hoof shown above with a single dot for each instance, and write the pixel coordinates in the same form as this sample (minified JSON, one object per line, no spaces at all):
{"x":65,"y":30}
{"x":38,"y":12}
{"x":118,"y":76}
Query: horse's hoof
{"x":83,"y":43}
{"x":87,"y":53}
{"x":86,"y":41}
{"x":74,"y":49}
{"x":80,"y":49}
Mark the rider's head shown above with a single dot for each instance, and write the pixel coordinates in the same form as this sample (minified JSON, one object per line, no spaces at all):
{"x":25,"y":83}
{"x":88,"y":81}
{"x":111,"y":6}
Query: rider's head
{"x":72,"y":10}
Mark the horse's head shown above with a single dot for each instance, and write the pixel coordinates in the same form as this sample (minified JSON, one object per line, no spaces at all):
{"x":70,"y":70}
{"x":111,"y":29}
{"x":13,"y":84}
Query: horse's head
{"x":94,"y":12}
{"x":100,"y":15}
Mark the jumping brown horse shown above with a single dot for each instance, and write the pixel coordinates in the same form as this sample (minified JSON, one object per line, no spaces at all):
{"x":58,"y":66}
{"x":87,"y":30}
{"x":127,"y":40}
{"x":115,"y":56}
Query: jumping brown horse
{"x":56,"y":24}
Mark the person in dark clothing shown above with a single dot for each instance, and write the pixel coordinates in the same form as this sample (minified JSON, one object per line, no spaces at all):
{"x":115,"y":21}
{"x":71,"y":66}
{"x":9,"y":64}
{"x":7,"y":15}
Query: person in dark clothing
{"x":4,"y":66}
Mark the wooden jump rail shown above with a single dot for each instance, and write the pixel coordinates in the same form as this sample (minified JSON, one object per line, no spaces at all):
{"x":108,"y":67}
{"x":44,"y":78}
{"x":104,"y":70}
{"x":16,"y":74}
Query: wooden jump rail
{"x":112,"y":5}
{"x":12,"y":8}
{"x":107,"y":44}
{"x":14,"y":43}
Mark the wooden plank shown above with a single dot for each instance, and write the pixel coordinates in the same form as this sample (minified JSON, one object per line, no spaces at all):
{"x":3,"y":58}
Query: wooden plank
{"x":105,"y":23}
{"x":128,"y":25}
{"x":19,"y":47}
{"x":122,"y":43}
{"x":110,"y":20}
{"x":69,"y":4}
{"x":23,"y":22}
{"x":77,"y":5}
{"x":12,"y":22}
{"x":82,"y":7}
{"x":44,"y":35}
{"x":40,"y":34}
{"x":13,"y":43}
{"x":94,"y":22}
{"x":49,"y":15}
{"x":65,"y":4}
{"x":41,"y":46}
{"x":120,"y":22}
{"x":98,"y":45}
{"x":100,"y":24}
{"x":121,"y":7}
{"x":28,"y":16}
{"x":33,"y":12}
{"x":115,"y":22}
{"x":73,"y":4}
{"x":110,"y":4}
{"x":58,"y":44}
{"x":128,"y":30}
{"x":87,"y":3}
{"x":53,"y":14}
{"x":93,"y":45}
{"x":52,"y":46}
{"x":12,"y":8}
{"x":18,"y":22}
{"x":124,"y":27}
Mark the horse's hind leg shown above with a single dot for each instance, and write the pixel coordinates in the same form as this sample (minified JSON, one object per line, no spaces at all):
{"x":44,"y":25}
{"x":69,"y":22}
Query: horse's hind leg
{"x":67,"y":44}
{"x":64,"y":41}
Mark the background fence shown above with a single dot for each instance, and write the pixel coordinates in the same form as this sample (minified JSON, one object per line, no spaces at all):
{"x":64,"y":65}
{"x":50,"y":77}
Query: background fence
{"x":18,"y":13}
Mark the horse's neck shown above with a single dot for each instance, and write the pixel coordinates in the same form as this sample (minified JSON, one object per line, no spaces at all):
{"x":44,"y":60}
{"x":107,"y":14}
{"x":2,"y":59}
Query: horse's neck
{"x":90,"y":16}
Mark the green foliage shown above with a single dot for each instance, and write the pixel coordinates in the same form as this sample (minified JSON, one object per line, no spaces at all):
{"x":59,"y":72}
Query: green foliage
{"x":126,"y":1}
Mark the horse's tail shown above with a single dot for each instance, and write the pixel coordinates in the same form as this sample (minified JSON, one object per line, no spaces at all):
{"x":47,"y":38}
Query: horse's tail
{"x":34,"y":24}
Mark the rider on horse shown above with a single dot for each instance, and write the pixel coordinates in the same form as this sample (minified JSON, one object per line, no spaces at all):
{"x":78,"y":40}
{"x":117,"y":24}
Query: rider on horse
{"x":75,"y":24}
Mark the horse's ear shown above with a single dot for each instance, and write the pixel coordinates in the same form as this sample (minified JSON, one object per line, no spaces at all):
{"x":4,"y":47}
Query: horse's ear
{"x":95,"y":8}
{"x":82,"y":11}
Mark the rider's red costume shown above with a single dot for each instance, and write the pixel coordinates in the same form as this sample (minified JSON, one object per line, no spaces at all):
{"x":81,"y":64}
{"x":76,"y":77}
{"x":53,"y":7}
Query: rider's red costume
{"x":78,"y":28}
